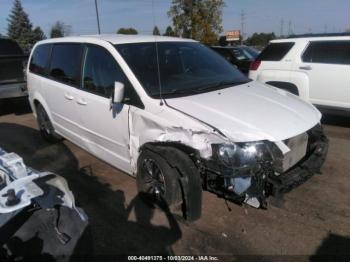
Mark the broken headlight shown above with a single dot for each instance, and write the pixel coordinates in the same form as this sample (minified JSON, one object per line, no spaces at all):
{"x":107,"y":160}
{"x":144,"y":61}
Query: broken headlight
{"x":240,"y":155}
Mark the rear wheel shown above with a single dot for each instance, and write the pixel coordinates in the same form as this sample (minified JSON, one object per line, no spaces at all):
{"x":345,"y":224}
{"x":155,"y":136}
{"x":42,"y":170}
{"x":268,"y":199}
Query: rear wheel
{"x":45,"y":126}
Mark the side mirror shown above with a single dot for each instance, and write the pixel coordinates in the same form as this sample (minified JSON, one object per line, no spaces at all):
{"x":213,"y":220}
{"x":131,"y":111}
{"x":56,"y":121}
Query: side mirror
{"x":118,"y":94}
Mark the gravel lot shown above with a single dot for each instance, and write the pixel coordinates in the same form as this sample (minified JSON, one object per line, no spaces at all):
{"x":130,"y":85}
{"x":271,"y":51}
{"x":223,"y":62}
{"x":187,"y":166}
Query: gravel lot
{"x":315,"y":219}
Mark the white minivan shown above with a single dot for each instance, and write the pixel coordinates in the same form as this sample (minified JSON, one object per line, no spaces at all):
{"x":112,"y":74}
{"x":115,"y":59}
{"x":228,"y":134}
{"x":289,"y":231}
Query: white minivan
{"x":177,"y":116}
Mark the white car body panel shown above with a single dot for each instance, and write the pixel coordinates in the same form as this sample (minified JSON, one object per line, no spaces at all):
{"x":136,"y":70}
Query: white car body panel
{"x":322,"y":84}
{"x":251,"y":112}
{"x":242,"y":113}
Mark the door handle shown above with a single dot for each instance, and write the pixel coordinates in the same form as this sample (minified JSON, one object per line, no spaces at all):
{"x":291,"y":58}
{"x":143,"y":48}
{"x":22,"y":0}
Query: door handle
{"x":81,"y":102}
{"x":68,"y":96}
{"x":305,"y":68}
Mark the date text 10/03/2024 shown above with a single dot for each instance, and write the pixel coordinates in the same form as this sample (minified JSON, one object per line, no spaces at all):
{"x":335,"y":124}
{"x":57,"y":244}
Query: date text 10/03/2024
{"x":173,"y":258}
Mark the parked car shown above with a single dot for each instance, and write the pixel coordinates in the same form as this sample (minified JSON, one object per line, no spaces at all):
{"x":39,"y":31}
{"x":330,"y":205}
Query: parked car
{"x":314,"y":68}
{"x":12,"y":70}
{"x":180,"y":120}
{"x":239,"y":56}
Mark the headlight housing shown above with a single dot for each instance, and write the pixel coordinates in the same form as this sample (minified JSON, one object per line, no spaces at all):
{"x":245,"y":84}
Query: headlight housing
{"x":240,"y":155}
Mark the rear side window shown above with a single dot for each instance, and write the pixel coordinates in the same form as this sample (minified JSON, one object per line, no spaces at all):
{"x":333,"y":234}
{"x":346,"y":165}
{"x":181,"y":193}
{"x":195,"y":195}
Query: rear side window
{"x":275,"y":51}
{"x":9,"y":47}
{"x":66,"y":63}
{"x":100,"y":71}
{"x":40,"y":59}
{"x":328,"y":52}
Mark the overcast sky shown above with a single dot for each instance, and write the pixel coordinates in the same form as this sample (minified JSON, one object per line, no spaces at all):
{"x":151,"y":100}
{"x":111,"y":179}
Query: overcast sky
{"x":301,"y":16}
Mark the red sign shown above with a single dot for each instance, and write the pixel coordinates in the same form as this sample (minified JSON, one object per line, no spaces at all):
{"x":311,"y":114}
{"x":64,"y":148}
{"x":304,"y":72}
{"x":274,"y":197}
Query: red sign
{"x":233,"y":35}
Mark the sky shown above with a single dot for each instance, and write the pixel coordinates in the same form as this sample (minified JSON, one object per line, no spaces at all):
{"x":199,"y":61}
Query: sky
{"x":299,"y":16}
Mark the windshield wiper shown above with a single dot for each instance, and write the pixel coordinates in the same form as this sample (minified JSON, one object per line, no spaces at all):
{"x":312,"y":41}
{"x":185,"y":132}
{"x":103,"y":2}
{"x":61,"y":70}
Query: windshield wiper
{"x":220,"y":84}
{"x":202,"y":89}
{"x":179,"y":91}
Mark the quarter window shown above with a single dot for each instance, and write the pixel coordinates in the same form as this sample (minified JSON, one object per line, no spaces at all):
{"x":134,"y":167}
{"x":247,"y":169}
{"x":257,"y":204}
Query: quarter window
{"x":328,"y":52}
{"x":40,"y":59}
{"x":65,"y":63}
{"x":100,"y":71}
{"x":275,"y":51}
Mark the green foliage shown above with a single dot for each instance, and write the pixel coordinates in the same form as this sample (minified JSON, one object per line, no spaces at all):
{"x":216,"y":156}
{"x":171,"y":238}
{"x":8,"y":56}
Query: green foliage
{"x":156,"y":31}
{"x":60,"y":29}
{"x":261,"y":39}
{"x":197,"y":19}
{"x":20,"y":28}
{"x":38,"y":34}
{"x":127,"y":31}
{"x":169,"y":31}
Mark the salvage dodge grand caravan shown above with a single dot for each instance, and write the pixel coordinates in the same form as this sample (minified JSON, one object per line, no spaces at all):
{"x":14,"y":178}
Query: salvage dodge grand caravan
{"x":175,"y":115}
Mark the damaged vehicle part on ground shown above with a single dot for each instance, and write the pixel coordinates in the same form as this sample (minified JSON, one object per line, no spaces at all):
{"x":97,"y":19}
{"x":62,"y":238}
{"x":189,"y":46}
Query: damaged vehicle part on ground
{"x":178,"y":117}
{"x":36,"y":204}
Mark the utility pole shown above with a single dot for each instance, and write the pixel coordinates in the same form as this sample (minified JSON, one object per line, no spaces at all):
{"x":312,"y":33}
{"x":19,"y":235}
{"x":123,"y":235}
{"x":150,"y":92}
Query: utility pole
{"x":242,"y":25}
{"x":98,"y":18}
{"x":282,"y":28}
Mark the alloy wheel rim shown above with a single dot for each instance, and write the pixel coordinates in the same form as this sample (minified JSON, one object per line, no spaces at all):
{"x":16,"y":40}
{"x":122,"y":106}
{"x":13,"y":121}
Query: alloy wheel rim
{"x":44,"y":122}
{"x":153,"y":178}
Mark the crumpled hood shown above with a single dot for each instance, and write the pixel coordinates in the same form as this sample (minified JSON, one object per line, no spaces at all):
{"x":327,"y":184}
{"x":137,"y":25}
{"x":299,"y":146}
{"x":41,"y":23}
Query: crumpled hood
{"x":250,"y":112}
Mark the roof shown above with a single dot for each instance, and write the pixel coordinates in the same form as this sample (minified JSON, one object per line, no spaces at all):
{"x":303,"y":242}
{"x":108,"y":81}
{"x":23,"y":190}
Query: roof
{"x":119,"y":39}
{"x":303,"y":38}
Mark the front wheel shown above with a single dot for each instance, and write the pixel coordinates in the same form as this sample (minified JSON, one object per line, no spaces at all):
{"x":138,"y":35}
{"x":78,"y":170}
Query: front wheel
{"x":157,"y":179}
{"x":45,"y":126}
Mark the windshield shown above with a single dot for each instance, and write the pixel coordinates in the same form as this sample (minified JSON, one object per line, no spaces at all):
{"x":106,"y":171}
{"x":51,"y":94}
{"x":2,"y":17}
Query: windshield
{"x":245,"y":53}
{"x":185,"y":68}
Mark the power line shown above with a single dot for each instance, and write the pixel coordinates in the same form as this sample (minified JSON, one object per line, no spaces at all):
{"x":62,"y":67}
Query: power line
{"x":289,"y":28}
{"x":242,"y":25}
{"x":282,"y":28}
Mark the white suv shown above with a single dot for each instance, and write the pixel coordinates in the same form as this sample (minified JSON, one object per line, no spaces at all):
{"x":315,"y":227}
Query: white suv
{"x":315,"y":68}
{"x":176,"y":115}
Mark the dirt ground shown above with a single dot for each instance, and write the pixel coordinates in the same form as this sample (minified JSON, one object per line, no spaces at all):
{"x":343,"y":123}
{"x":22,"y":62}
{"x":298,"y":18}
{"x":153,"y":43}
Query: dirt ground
{"x":315,"y":219}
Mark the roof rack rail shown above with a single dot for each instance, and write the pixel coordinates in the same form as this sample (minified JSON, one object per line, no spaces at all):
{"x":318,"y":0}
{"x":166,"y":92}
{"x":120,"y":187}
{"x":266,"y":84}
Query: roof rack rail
{"x":319,"y":35}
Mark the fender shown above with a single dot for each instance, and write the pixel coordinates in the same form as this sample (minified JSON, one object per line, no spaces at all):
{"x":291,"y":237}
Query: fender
{"x":301,"y":81}
{"x":38,"y":99}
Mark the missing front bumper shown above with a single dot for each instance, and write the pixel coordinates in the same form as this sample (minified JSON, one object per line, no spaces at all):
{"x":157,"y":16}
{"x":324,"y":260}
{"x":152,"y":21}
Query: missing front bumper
{"x":264,"y":182}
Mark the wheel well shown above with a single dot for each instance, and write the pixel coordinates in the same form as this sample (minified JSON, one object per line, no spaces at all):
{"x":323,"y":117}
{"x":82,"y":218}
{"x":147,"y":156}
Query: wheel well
{"x":287,"y":86}
{"x":190,"y":179}
{"x":36,"y":103}
{"x":191,"y":152}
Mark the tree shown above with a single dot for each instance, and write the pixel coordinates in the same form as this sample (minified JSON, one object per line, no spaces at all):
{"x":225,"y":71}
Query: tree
{"x":169,"y":31}
{"x":156,"y":31}
{"x":197,"y":19}
{"x":261,"y":39}
{"x":19,"y":27}
{"x":127,"y":31}
{"x":347,"y":30}
{"x":60,"y":29}
{"x":38,"y":34}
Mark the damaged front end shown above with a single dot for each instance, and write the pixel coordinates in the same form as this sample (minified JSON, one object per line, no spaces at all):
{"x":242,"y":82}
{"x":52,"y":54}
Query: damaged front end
{"x":251,"y":172}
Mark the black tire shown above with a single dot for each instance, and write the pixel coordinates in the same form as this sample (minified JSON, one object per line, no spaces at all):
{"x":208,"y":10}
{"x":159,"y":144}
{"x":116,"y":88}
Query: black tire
{"x":45,"y":126}
{"x":157,"y":179}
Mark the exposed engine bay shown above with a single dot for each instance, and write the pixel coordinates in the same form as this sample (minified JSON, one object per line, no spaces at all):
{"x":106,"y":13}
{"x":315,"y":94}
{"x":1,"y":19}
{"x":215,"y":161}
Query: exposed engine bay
{"x":251,"y":172}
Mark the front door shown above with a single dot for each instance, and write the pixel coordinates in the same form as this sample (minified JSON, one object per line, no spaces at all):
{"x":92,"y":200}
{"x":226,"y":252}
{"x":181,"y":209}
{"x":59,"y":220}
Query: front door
{"x":104,"y":126}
